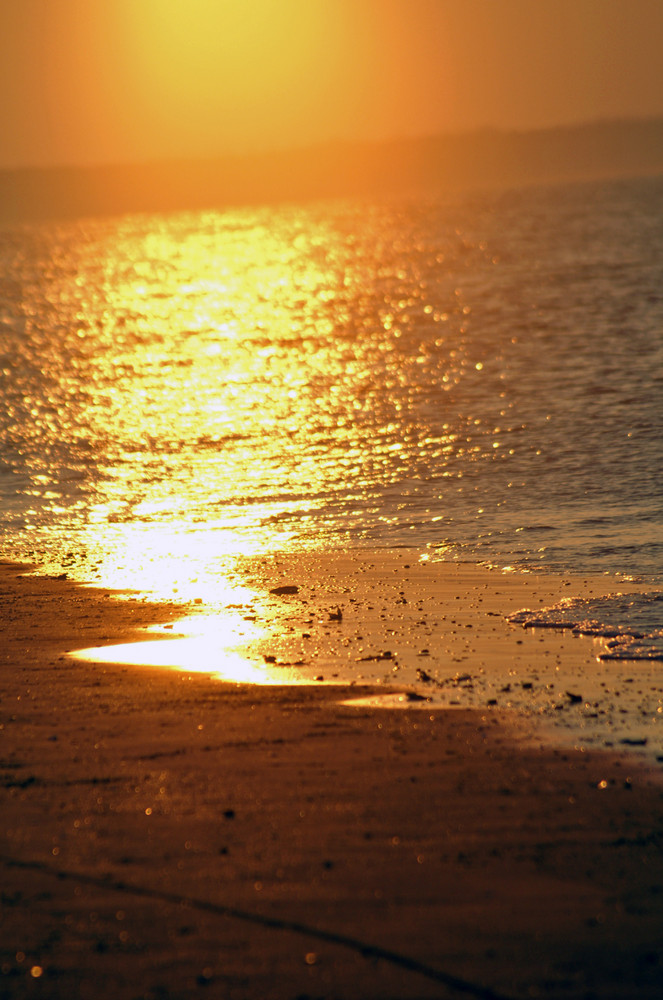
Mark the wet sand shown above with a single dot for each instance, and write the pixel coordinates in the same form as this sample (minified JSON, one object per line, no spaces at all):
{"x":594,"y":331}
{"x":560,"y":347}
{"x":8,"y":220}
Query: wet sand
{"x":165,"y":835}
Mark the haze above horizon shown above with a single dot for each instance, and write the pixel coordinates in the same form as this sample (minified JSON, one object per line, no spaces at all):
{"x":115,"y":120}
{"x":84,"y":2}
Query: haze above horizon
{"x":104,"y":81}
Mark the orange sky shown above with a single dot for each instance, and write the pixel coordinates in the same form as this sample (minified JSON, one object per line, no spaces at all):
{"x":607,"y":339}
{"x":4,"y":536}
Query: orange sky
{"x":94,"y":81}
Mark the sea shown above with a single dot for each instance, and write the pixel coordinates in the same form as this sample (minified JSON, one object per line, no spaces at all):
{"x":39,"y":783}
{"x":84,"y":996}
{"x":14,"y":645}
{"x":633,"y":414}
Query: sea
{"x":478,"y":377}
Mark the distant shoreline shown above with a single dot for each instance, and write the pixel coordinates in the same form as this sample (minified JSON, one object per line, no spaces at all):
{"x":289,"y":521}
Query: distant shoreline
{"x":432,"y":165}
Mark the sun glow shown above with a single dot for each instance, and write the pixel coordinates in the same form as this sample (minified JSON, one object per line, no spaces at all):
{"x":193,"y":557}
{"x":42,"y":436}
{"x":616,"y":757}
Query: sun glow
{"x":252,"y":70}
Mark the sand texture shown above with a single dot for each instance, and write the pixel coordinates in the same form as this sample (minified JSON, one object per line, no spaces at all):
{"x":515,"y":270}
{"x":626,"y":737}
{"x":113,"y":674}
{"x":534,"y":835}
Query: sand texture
{"x":167,"y":835}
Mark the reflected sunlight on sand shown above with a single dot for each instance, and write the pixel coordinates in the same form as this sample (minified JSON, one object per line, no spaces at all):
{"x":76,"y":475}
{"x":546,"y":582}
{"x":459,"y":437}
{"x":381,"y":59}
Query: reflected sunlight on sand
{"x":205,"y":645}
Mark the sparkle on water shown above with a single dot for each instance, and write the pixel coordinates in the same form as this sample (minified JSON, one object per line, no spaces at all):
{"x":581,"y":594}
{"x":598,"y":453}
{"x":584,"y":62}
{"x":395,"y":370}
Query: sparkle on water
{"x":477,"y":377}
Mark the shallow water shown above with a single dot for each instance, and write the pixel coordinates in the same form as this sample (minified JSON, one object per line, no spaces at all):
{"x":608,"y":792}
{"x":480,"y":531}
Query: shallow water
{"x":480,"y":378}
{"x":631,"y":622}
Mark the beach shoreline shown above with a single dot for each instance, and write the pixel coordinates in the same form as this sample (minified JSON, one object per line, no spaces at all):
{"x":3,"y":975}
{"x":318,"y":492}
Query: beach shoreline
{"x":425,"y":633}
{"x":166,"y":834}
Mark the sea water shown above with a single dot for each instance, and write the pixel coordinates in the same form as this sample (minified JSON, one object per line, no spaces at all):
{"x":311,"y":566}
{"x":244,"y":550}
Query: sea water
{"x":479,"y":377}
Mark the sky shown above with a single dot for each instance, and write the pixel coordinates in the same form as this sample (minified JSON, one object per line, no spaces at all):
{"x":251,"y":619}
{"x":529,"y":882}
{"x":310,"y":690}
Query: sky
{"x":122,"y":81}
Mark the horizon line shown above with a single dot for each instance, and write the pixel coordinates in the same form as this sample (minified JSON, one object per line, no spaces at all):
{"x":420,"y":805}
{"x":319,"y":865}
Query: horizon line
{"x":337,"y":142}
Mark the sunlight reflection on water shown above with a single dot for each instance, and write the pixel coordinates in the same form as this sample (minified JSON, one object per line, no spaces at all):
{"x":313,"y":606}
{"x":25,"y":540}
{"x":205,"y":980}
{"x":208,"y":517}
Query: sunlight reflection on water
{"x":478,"y":378}
{"x":178,"y":388}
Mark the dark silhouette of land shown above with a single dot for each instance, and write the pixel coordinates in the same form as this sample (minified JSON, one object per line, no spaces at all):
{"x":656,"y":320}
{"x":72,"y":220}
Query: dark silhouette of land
{"x":436,"y":164}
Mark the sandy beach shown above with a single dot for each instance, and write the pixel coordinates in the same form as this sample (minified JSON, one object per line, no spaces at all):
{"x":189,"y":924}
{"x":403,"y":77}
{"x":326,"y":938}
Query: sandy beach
{"x":166,"y":834}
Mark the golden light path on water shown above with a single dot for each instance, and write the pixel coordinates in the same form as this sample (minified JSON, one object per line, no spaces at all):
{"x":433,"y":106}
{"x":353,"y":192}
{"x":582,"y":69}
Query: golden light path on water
{"x":196,"y":341}
{"x":187,"y":388}
{"x":231,"y":371}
